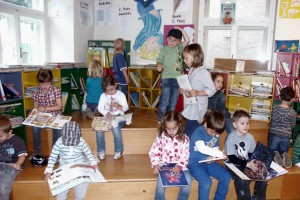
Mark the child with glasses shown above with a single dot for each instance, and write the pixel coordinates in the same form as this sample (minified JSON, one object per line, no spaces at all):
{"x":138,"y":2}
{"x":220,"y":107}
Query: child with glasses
{"x":112,"y":103}
{"x":170,"y":63}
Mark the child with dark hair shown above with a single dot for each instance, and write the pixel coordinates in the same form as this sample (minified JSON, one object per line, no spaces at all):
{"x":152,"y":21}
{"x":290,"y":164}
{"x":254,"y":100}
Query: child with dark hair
{"x":70,"y":148}
{"x":217,"y":102}
{"x":282,"y":123}
{"x":12,"y":157}
{"x":171,"y":146}
{"x":169,"y":62}
{"x":239,"y":147}
{"x":46,"y":99}
{"x":112,"y":102}
{"x":204,"y":145}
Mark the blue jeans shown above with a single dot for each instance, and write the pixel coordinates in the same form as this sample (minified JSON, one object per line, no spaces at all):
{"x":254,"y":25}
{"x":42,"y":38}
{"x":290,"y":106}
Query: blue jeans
{"x":92,"y":106}
{"x":79,"y":190}
{"x":202,"y":173}
{"x":190,"y":126}
{"x":7,"y":177}
{"x":278,"y":143}
{"x":118,"y":141}
{"x":242,"y":188}
{"x":123,"y":88}
{"x":183,"y":194}
{"x":36,"y":133}
{"x":169,"y":96}
{"x":228,"y":126}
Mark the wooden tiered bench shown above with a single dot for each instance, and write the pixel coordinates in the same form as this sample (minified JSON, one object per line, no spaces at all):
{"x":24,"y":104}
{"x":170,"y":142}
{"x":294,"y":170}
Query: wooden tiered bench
{"x":131,"y":177}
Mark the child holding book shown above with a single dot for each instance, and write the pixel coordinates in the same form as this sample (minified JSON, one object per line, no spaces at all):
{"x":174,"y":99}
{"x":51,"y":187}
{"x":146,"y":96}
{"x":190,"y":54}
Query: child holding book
{"x":239,"y":147}
{"x":169,"y":62}
{"x":120,"y":66}
{"x":46,"y":99}
{"x":281,"y":129}
{"x":204,"y":145}
{"x":93,"y":87}
{"x":13,"y":152}
{"x":112,"y":102}
{"x":202,"y":87}
{"x":70,"y":148}
{"x":171,"y":146}
{"x":218,"y":101}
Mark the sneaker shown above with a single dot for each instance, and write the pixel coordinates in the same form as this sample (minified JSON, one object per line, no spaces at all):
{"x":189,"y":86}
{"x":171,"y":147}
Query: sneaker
{"x":287,"y":162}
{"x":35,"y":153}
{"x":89,"y":113}
{"x":278,"y":159}
{"x":117,"y":155}
{"x":101,"y":155}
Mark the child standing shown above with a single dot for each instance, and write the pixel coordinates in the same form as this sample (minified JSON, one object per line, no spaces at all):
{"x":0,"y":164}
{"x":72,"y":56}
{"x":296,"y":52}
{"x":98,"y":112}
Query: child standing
{"x":218,"y":101}
{"x":12,"y":157}
{"x":46,"y":99}
{"x":93,"y":87}
{"x":171,"y":146}
{"x":239,"y":147}
{"x":282,"y":124}
{"x":70,"y":149}
{"x":204,"y":144}
{"x":169,"y":62}
{"x":120,"y":66}
{"x":112,"y":103}
{"x":202,"y":84}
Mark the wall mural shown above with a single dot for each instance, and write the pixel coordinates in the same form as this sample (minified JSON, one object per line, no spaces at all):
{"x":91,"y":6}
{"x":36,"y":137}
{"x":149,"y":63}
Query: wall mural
{"x":150,"y":39}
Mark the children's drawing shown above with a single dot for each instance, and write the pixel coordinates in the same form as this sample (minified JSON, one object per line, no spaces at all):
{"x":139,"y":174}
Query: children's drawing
{"x":149,"y":40}
{"x":289,"y":9}
{"x":286,"y":45}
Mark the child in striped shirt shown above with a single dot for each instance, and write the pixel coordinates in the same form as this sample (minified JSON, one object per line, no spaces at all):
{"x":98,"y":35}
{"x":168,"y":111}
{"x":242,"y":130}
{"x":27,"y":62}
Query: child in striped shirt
{"x":70,"y":149}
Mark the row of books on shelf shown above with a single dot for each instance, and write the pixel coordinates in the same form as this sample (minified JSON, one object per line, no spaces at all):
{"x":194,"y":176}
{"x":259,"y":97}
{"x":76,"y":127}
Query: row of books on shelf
{"x":258,"y":90}
{"x":15,"y":120}
{"x":285,"y":69}
{"x":136,"y":79}
{"x":8,"y":91}
{"x":134,"y":96}
{"x":74,"y":84}
{"x":104,"y":55}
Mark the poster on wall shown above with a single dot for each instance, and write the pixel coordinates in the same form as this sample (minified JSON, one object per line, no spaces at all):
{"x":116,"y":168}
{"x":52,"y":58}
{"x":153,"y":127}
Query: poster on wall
{"x":149,"y":40}
{"x":286,"y":45}
{"x":188,"y":28}
{"x":228,"y":13}
{"x":104,"y":12}
{"x":289,"y":9}
{"x":85,"y":13}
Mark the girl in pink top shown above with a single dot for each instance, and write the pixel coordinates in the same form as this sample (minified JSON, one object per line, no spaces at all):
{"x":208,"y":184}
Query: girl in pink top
{"x":171,"y":146}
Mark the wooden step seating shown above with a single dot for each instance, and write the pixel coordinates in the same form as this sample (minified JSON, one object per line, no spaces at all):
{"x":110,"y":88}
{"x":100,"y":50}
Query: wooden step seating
{"x":131,"y":177}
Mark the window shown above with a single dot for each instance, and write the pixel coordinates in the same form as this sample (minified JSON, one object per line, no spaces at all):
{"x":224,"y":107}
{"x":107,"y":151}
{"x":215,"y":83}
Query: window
{"x":249,"y":37}
{"x":22,"y":34}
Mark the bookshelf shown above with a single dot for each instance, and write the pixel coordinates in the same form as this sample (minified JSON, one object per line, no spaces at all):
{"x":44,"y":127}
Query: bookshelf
{"x":73,"y":78}
{"x":13,"y":105}
{"x":144,"y":87}
{"x":252,"y":93}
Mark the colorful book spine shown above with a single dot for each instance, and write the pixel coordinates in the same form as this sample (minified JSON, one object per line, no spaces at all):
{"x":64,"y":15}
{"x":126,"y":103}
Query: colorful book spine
{"x":2,"y":94}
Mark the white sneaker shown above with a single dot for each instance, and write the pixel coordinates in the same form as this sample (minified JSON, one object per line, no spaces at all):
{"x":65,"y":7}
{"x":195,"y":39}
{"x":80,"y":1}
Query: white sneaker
{"x":101,"y":155}
{"x":117,"y":155}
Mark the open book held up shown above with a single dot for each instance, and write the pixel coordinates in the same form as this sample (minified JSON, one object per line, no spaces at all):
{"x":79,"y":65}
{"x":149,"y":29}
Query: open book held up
{"x":70,"y":175}
{"x":168,"y":179}
{"x":184,"y":83}
{"x":46,"y":120}
{"x":268,"y":169}
{"x":105,"y":123}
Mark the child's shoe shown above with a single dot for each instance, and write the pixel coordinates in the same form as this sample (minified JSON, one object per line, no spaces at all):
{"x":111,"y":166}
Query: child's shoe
{"x":101,"y":155}
{"x":287,"y":162}
{"x":35,"y":153}
{"x":89,"y":113}
{"x":117,"y":155}
{"x":278,"y":159}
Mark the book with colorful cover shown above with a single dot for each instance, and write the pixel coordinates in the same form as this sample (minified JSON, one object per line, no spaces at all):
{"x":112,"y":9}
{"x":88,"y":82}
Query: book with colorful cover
{"x":168,"y":178}
{"x":105,"y":123}
{"x":134,"y":96}
{"x":71,"y":175}
{"x":46,"y":120}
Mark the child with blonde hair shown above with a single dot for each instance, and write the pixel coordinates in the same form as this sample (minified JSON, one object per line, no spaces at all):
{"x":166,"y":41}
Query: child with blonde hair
{"x":120,"y":66}
{"x":93,"y":87}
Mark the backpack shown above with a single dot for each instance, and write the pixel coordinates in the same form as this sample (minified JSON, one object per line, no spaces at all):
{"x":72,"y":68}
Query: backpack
{"x":296,"y":151}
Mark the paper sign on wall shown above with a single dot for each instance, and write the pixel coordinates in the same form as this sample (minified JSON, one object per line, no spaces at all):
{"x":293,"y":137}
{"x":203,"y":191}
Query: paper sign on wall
{"x":240,"y":66}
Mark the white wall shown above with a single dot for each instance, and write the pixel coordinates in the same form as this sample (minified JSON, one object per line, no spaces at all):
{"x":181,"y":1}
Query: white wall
{"x":128,"y":26}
